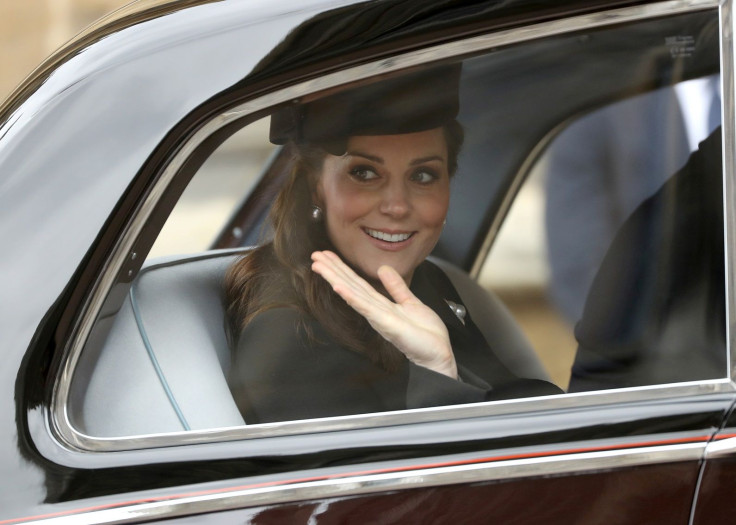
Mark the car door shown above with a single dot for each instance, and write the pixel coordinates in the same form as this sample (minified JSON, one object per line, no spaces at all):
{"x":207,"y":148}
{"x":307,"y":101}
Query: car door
{"x":136,"y":422}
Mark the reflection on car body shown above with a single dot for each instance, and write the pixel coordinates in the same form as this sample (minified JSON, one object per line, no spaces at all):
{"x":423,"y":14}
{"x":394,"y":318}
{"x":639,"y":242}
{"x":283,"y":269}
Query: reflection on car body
{"x":115,"y":349}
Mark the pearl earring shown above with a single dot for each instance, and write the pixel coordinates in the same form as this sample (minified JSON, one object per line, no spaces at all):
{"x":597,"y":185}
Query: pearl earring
{"x":316,"y":213}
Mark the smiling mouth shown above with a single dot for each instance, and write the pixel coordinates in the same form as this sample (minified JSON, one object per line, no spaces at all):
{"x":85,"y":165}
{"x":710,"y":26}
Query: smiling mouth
{"x":388,"y":237}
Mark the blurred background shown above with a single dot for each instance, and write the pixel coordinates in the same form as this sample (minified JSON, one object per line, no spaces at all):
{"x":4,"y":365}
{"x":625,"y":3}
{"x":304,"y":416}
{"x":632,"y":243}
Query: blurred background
{"x":30,"y":30}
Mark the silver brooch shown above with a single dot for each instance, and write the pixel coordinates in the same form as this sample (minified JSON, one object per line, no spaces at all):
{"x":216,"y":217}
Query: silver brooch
{"x":457,"y":309}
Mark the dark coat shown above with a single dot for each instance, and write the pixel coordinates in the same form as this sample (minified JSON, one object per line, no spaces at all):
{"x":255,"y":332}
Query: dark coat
{"x":656,"y":310}
{"x":279,"y":374}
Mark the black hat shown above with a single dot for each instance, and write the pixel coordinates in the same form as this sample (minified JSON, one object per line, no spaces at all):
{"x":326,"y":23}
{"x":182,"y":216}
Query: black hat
{"x":406,"y":104}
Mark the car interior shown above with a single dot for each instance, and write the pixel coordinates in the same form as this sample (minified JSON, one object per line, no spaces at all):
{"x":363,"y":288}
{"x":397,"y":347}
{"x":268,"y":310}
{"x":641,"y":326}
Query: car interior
{"x":181,"y":367}
{"x":157,"y":359}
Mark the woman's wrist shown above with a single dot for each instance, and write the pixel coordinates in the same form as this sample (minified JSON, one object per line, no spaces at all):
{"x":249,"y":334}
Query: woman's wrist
{"x":450,"y":370}
{"x":444,"y":364}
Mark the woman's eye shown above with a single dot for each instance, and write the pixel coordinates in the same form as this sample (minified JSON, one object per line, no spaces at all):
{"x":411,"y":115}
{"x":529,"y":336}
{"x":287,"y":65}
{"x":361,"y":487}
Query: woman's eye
{"x":424,"y":176}
{"x":363,"y":173}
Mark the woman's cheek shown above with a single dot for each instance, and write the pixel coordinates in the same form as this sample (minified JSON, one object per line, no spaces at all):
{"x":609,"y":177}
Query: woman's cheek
{"x":434,"y":210}
{"x":356,"y":204}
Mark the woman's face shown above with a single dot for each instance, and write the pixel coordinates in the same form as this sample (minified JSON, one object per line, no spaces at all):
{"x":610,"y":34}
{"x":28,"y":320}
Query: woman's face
{"x":386,"y":199}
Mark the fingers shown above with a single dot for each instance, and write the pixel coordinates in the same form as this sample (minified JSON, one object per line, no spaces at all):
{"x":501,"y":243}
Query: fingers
{"x":412,"y":327}
{"x":342,"y":271}
{"x":356,"y":291}
{"x":345,"y":282}
{"x":395,"y":285}
{"x":337,"y":273}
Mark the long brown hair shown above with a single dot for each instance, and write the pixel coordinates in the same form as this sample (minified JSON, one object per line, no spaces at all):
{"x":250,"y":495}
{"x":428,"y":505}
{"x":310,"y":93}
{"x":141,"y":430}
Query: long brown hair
{"x":278,"y":273}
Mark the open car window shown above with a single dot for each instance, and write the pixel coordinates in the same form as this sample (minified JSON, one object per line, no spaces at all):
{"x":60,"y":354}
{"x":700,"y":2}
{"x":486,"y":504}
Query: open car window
{"x":584,"y":237}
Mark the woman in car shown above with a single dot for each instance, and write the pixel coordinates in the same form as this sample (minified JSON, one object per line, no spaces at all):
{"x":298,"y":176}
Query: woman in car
{"x":340,"y":313}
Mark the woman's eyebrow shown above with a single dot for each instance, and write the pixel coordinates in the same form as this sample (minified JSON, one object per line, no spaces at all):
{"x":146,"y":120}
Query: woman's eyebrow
{"x":422,"y":160}
{"x":379,"y":160}
{"x":368,"y":156}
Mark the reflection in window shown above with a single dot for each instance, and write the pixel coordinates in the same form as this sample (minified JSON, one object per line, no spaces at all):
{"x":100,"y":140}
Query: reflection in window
{"x":619,"y":234}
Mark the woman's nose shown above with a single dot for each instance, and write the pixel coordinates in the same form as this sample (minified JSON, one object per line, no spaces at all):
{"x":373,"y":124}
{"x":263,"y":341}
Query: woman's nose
{"x":395,"y":201}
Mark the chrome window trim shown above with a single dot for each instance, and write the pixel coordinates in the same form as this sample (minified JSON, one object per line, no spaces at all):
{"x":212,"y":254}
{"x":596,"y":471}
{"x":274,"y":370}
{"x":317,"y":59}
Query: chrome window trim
{"x":59,"y":421}
{"x":723,"y":448}
{"x":385,"y":482}
{"x":403,"y":417}
{"x":728,"y":108}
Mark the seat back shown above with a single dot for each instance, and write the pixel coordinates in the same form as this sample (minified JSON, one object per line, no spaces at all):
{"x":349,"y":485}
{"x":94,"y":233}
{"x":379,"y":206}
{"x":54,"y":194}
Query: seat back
{"x":496,"y":324}
{"x":164,"y":363}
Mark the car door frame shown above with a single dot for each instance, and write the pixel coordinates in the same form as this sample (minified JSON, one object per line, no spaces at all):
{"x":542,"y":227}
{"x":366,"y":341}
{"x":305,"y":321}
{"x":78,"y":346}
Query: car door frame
{"x":684,"y":441}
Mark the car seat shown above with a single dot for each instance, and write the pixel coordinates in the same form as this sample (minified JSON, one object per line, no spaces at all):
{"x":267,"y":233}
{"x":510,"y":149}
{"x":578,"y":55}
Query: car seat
{"x":163,"y":365}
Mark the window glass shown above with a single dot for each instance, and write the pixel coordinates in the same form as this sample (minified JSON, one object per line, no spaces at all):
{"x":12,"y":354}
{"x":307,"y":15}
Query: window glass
{"x":565,"y":171}
{"x":218,"y":188}
{"x":612,"y":254}
{"x":518,"y":272}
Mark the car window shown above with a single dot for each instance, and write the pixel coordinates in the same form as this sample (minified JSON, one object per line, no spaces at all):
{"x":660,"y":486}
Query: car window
{"x":223,"y":182}
{"x":582,"y":249}
{"x":618,"y":174}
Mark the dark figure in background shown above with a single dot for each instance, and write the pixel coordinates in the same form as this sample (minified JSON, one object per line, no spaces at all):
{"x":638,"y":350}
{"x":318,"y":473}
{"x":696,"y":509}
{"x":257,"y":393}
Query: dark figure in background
{"x":341,"y":314}
{"x":599,"y":170}
{"x":655,"y":312}
{"x":604,"y":165}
